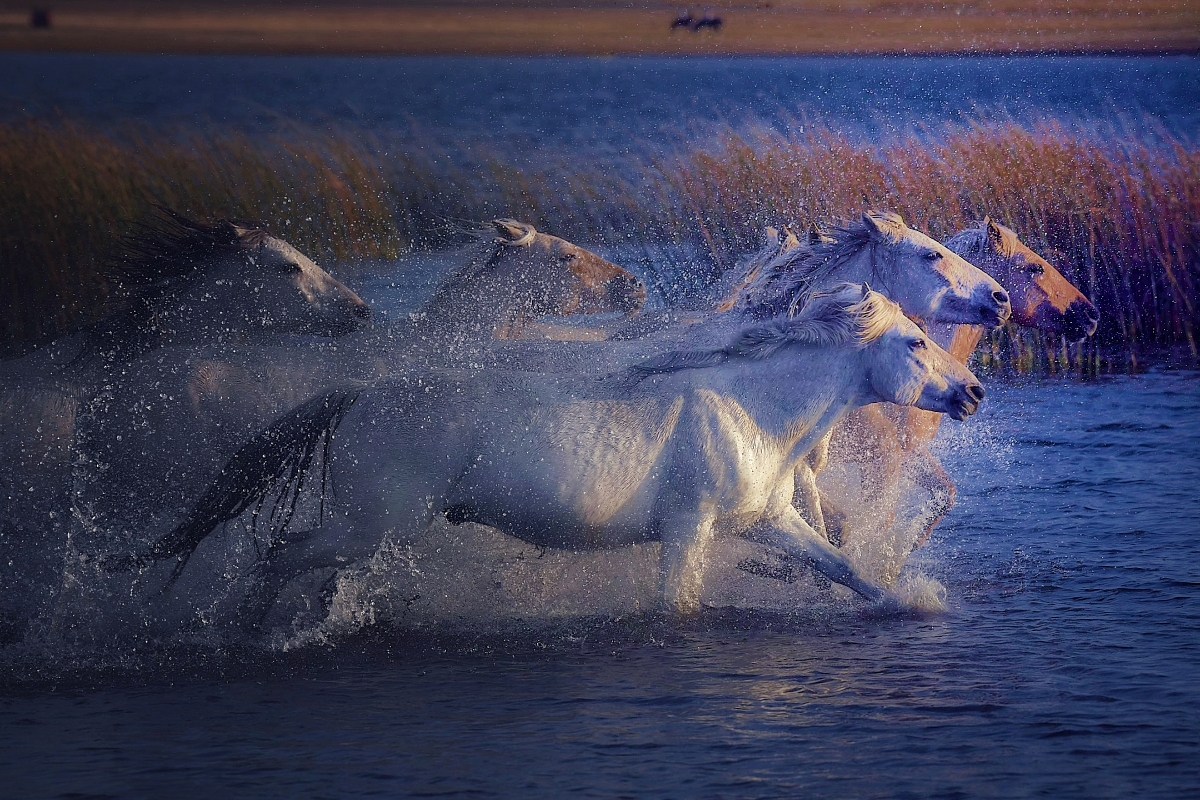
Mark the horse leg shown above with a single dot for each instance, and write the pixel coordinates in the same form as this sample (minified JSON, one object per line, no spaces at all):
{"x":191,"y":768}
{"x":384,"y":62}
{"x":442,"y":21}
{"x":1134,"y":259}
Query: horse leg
{"x":789,"y":532}
{"x":807,"y":500}
{"x":685,"y":543}
{"x":933,"y":478}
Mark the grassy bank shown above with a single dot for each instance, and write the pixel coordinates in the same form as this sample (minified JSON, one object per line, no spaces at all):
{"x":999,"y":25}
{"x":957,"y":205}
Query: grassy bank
{"x":507,"y":27}
{"x":1117,"y":214}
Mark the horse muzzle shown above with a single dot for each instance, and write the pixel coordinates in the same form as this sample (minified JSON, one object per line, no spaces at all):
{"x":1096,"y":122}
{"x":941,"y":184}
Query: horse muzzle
{"x":995,"y":308}
{"x":1080,"y":320}
{"x":984,"y":306}
{"x":965,"y":401}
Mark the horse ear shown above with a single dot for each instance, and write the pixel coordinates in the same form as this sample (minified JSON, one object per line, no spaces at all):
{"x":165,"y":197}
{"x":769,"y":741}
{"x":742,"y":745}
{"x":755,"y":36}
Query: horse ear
{"x":878,"y":223}
{"x":995,"y":235}
{"x":789,"y":239}
{"x":814,"y":233}
{"x":772,"y":236}
{"x":513,"y":232}
{"x":872,"y":224}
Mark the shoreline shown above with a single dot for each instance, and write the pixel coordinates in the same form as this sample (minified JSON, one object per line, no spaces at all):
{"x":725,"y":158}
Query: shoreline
{"x":781,"y":28}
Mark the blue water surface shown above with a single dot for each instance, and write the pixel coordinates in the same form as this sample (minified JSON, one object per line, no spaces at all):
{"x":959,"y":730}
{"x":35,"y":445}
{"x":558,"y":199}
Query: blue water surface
{"x":1064,"y":667}
{"x":596,"y":101}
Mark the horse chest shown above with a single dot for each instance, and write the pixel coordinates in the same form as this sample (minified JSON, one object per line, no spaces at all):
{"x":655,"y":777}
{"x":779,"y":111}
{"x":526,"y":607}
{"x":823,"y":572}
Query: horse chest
{"x":743,"y":464}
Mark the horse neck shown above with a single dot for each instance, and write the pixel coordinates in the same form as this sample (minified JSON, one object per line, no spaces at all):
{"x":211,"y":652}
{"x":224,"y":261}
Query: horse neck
{"x":856,"y":268}
{"x":192,"y":314}
{"x":796,"y":395}
{"x":957,"y":340}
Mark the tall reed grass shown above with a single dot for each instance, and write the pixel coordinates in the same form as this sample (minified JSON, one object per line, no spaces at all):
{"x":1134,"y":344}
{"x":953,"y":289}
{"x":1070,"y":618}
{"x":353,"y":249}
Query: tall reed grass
{"x":1119,"y":215}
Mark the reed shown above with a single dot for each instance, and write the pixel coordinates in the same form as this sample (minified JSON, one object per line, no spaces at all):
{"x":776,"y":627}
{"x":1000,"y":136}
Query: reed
{"x":1116,"y":213}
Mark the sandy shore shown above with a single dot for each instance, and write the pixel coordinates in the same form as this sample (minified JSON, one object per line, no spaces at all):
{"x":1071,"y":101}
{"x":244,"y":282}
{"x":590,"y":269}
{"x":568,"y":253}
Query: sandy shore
{"x":470,"y":27}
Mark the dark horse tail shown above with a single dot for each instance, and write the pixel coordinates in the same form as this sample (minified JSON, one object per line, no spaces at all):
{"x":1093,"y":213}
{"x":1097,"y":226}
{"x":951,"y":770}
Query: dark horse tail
{"x":273,"y":464}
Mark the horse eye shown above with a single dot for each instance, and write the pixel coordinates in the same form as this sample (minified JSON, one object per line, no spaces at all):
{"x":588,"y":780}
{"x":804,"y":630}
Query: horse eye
{"x":1037,"y":269}
{"x":570,"y":256}
{"x":292,"y":268}
{"x":916,"y":344}
{"x":931,"y":255}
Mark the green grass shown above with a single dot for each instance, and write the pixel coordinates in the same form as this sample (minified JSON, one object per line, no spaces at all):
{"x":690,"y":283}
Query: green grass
{"x":1118,"y":214}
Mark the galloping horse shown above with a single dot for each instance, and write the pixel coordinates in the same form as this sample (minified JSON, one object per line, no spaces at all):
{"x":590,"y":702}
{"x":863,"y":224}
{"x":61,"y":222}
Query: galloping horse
{"x":926,"y":279}
{"x":679,"y":449}
{"x":524,"y":275}
{"x":178,"y":282}
{"x":886,"y":445}
{"x":181,"y":281}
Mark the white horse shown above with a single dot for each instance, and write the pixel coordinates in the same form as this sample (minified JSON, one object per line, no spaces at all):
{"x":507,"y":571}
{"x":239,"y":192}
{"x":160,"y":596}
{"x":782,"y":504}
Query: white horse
{"x":180,"y":281}
{"x":880,"y":482}
{"x":886,"y":447}
{"x":927,"y":280}
{"x":682,"y":448}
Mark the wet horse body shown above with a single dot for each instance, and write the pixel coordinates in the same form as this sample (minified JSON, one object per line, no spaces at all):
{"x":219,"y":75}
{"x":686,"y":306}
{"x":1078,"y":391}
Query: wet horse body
{"x":887,"y":446}
{"x":681,"y":448}
{"x":925,"y":278}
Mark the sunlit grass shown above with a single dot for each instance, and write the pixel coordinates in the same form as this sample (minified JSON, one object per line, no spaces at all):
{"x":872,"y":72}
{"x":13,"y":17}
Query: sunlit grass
{"x":1117,"y":214}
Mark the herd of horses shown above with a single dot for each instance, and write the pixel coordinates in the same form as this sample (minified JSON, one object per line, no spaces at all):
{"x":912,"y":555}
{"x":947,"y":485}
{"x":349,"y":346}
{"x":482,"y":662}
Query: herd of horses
{"x":533,"y":393}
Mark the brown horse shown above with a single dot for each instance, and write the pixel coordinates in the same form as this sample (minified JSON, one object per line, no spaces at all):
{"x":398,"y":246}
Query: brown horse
{"x":879,"y":449}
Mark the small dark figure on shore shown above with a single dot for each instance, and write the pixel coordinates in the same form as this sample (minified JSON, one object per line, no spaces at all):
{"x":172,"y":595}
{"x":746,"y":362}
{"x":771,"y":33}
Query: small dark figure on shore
{"x":40,"y":18}
{"x":682,"y":20}
{"x":709,"y":20}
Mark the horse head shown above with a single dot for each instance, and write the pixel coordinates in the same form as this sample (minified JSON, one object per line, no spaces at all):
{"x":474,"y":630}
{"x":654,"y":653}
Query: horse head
{"x":1041,"y":297}
{"x":561,"y":278}
{"x":930,"y":281}
{"x":902,"y":364}
{"x":279,"y":288}
{"x":176,"y":277}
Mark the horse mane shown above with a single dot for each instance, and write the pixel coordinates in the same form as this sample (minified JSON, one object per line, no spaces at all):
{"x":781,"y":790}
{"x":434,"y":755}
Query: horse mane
{"x":847,"y":315}
{"x":975,"y":242}
{"x":154,"y":263}
{"x":789,"y":280}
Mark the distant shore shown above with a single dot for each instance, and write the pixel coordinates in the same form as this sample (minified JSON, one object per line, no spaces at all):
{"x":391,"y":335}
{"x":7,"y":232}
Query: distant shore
{"x":782,"y":27}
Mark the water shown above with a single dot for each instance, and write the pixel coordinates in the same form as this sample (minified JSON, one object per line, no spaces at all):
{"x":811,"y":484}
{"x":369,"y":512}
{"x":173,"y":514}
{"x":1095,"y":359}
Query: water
{"x":595,"y":103}
{"x":1063,"y":666}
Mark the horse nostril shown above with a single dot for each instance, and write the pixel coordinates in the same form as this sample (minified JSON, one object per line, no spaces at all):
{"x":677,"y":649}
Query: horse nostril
{"x":362,"y":311}
{"x":1001,"y":297}
{"x":976,"y":392}
{"x":1091,"y":312}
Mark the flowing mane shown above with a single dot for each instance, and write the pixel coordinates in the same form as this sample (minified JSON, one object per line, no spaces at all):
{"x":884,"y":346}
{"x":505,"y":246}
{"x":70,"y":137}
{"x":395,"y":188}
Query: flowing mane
{"x":155,"y":263}
{"x":848,"y":315}
{"x":788,"y":281}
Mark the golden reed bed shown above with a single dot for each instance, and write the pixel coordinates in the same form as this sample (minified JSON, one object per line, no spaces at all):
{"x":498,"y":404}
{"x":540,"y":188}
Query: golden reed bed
{"x":606,"y":27}
{"x":1116,"y":213}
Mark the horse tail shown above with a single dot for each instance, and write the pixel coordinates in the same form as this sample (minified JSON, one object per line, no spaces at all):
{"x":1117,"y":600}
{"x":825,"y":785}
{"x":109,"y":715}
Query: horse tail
{"x":273,"y":464}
